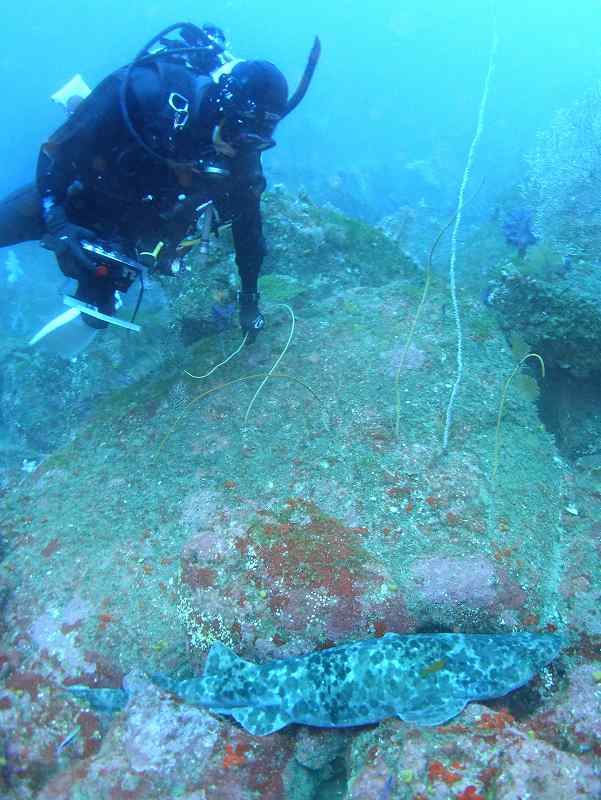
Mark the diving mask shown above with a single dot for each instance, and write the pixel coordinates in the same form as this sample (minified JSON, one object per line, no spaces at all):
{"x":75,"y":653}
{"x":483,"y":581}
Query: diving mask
{"x":251,"y":130}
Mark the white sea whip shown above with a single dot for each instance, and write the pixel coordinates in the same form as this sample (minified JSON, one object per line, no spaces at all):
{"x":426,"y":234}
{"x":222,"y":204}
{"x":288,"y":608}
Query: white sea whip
{"x":460,"y":201}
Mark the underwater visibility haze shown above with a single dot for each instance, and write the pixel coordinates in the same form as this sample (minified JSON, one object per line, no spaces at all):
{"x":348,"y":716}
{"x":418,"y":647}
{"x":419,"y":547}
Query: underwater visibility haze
{"x":300,"y":471}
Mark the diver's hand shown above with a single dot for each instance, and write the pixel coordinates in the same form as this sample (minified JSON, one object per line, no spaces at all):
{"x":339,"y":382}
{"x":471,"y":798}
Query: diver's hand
{"x":251,"y":319}
{"x":65,"y":238}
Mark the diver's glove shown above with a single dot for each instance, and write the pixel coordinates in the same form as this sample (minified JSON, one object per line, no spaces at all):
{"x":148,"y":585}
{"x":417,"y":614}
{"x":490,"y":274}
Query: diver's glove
{"x":251,"y":319}
{"x":65,"y":239}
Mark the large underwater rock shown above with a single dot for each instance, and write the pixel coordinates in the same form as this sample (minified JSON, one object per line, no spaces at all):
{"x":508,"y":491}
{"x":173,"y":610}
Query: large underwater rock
{"x":559,"y":316}
{"x":167,"y":522}
{"x":311,"y":248}
{"x":556,"y":313}
{"x":486,"y":754}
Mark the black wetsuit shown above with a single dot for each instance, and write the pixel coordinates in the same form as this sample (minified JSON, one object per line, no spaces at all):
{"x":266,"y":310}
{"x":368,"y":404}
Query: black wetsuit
{"x":108,"y":182}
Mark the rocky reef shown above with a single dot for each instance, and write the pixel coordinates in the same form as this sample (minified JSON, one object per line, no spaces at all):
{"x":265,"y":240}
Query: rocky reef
{"x":161,"y":513}
{"x":555,"y":312}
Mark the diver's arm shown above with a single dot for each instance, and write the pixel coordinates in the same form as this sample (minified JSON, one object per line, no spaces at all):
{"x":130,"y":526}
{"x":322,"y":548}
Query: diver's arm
{"x":64,"y":160}
{"x":247,"y":227}
{"x":250,"y":246}
{"x":247,"y":230}
{"x":53,"y":180}
{"x":71,"y":149}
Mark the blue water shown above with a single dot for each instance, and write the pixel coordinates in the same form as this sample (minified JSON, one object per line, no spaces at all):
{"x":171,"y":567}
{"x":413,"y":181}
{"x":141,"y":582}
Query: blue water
{"x":397,"y":81}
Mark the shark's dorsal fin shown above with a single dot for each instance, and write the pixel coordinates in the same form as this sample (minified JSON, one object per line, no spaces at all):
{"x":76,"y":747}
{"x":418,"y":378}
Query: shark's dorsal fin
{"x":221,"y":658}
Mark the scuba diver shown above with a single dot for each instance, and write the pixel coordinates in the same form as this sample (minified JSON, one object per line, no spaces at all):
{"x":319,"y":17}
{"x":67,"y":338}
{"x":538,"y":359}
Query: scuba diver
{"x":162,"y":152}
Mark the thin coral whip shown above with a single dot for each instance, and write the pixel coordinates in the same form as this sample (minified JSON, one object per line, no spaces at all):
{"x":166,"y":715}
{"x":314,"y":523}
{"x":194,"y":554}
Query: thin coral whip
{"x":460,"y":203}
{"x":280,"y":357}
{"x":221,"y":363}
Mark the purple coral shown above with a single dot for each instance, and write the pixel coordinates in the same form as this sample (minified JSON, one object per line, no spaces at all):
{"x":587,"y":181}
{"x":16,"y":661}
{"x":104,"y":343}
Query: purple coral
{"x":518,"y":229}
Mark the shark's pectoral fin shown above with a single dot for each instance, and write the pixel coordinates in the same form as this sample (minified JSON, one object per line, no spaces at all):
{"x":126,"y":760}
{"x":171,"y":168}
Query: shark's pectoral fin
{"x":260,"y":721}
{"x":432,"y":713}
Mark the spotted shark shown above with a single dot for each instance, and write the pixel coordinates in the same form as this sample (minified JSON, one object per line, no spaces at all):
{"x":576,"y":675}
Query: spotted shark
{"x":425,"y":679}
